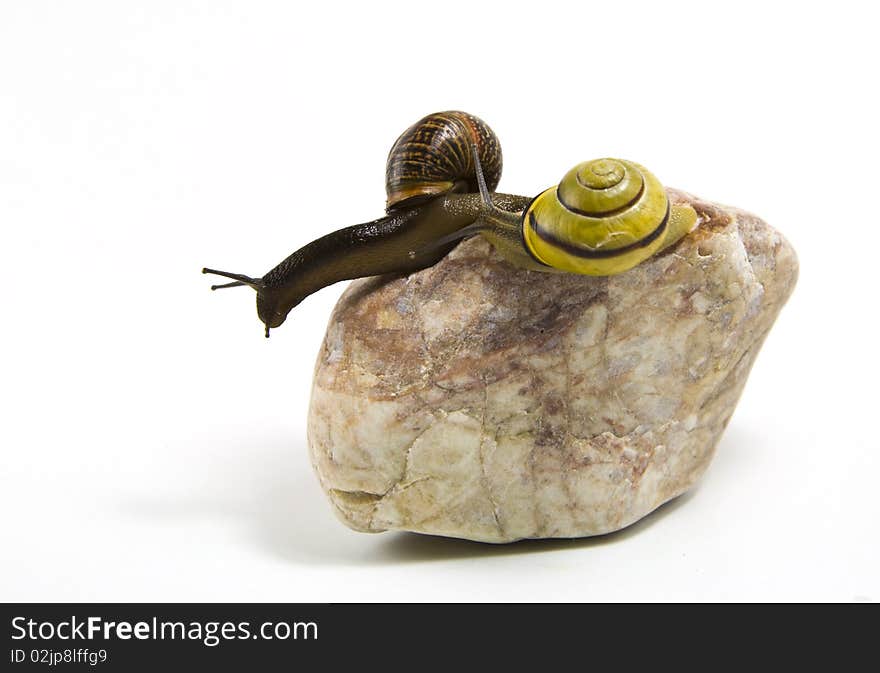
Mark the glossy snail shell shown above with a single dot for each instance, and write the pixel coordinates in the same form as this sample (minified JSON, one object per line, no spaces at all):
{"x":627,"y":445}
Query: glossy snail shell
{"x":606,"y":216}
{"x":434,"y":156}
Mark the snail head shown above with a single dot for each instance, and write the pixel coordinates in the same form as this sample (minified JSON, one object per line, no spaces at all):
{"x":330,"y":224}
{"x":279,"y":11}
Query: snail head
{"x":267,"y":305}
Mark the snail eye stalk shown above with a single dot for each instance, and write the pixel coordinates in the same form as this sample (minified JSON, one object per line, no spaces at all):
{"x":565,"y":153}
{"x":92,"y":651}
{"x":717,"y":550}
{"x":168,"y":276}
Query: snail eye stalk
{"x":236,"y":283}
{"x":238,"y":279}
{"x":481,"y":179}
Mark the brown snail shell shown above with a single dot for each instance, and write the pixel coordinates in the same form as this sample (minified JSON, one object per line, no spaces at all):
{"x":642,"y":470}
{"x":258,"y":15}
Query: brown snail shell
{"x":435,"y":156}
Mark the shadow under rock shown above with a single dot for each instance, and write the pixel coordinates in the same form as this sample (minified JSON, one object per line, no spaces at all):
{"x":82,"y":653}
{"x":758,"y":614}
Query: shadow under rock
{"x":295,"y":522}
{"x":287,"y":530}
{"x":265,"y":490}
{"x":282,"y":509}
{"x":416,"y":547}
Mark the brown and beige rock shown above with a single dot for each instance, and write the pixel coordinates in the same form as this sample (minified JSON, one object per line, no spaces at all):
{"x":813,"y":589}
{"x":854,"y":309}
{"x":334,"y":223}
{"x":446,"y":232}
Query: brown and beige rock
{"x":475,"y":400}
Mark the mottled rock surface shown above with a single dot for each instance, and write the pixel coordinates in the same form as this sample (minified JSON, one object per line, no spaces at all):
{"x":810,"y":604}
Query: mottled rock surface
{"x":479,"y":401}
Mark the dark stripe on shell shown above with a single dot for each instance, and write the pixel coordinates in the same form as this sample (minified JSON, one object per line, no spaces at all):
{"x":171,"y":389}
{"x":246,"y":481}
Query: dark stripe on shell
{"x":603,"y":213}
{"x":522,"y":231}
{"x":589,"y":253}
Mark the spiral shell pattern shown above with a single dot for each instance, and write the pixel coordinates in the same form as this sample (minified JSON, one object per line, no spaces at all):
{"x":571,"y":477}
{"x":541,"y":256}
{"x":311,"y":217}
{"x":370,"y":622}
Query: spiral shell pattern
{"x":434,"y":156}
{"x":605,"y":217}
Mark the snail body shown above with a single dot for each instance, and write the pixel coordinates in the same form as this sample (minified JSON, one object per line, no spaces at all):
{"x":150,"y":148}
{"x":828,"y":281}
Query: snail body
{"x":405,"y":240}
{"x":605,"y":217}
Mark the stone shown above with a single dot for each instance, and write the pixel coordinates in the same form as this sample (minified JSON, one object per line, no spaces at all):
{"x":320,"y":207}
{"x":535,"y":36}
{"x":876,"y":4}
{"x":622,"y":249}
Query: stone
{"x":479,"y":401}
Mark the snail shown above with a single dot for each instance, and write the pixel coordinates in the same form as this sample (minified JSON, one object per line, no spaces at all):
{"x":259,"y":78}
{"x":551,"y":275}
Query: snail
{"x":603,"y":218}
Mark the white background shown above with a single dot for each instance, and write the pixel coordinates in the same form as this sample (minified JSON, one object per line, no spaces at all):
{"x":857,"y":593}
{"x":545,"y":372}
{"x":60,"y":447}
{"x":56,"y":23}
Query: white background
{"x":153,"y":442}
